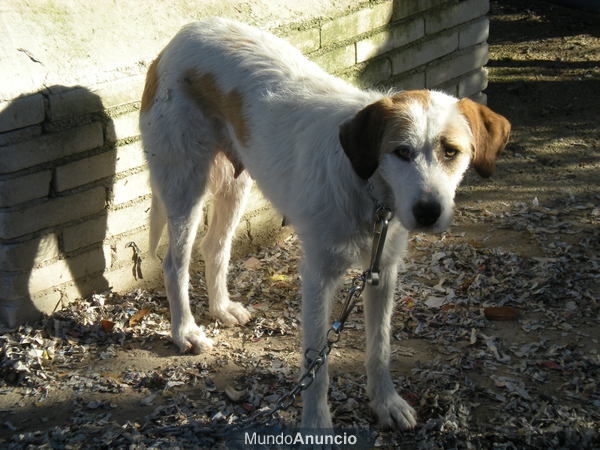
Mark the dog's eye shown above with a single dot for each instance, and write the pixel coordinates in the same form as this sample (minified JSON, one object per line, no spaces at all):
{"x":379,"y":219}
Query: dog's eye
{"x":403,"y":152}
{"x":450,"y":153}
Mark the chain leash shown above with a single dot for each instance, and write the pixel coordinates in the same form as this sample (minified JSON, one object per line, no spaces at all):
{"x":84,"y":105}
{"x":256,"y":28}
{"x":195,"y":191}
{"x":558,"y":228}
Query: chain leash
{"x":383,"y":215}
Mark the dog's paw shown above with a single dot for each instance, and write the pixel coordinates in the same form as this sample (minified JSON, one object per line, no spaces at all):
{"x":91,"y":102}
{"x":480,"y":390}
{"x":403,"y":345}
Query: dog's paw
{"x":394,"y":412}
{"x":191,"y":338}
{"x":232,"y":313}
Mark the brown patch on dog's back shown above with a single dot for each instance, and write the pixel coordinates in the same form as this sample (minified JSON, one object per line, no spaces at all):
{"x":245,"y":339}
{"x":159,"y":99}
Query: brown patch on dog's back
{"x":151,"y":85}
{"x":229,"y":107}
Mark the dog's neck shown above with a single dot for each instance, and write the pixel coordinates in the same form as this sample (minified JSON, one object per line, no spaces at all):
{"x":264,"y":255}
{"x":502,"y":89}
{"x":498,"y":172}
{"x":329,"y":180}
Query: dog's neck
{"x":379,"y":192}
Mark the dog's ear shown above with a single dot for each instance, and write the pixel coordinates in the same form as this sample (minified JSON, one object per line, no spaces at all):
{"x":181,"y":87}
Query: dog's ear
{"x":361,"y":138}
{"x":490,"y":134}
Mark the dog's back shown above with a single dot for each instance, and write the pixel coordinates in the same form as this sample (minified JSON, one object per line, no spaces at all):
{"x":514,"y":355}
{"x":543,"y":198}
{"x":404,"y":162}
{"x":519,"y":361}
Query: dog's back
{"x":223,"y":86}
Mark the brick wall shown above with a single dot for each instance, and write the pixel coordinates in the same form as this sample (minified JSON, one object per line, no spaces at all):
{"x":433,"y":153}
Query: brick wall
{"x":432,"y":44}
{"x":73,"y":181}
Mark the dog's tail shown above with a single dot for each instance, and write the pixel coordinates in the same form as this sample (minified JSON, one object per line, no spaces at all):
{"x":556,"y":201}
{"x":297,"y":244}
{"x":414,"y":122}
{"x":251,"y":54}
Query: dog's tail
{"x":158,"y":220}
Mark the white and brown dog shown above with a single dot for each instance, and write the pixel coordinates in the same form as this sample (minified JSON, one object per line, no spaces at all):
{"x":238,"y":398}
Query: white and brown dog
{"x":225,"y":102}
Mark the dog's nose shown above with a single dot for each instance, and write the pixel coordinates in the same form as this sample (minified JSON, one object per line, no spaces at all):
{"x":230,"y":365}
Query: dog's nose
{"x":427,"y":212}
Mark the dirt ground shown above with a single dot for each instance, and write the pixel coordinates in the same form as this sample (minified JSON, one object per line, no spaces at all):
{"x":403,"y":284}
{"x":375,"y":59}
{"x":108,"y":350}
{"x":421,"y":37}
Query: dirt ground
{"x":105,"y":374}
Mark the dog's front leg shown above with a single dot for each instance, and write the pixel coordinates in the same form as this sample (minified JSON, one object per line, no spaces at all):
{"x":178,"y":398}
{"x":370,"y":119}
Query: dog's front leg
{"x":391,"y":409}
{"x":318,"y":286}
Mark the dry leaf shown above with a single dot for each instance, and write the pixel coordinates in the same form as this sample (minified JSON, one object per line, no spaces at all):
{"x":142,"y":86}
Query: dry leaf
{"x":279,"y":277}
{"x":252,"y":263}
{"x":435,"y":302}
{"x":408,"y":302}
{"x":107,"y":325}
{"x":133,"y":320}
{"x":500,"y":313}
{"x":550,"y":365}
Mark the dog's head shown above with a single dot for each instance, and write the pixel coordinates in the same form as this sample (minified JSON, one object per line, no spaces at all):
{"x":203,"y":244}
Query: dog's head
{"x":421,"y":143}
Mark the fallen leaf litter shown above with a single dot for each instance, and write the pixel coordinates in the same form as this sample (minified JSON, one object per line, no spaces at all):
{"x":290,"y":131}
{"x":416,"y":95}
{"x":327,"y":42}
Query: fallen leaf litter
{"x":494,"y":349}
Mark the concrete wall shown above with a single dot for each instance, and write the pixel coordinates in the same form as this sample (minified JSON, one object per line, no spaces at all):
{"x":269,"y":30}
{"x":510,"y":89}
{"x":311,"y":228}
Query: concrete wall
{"x":73,"y":180}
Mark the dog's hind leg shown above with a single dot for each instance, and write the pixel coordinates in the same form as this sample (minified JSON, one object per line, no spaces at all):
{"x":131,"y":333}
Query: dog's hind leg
{"x":230,"y":196}
{"x":179,"y":183}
